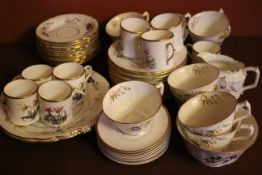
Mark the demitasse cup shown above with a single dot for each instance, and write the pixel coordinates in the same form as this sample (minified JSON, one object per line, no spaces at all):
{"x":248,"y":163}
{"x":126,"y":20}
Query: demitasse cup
{"x":129,"y":41}
{"x":221,"y":141}
{"x":76,"y":75}
{"x":202,"y":46}
{"x":234,"y":72}
{"x":212,"y":113}
{"x":190,"y":80}
{"x":40,"y":73}
{"x":158,"y":49}
{"x":132,"y":105}
{"x":56,"y":102}
{"x":209,"y":25}
{"x":113,"y":25}
{"x":21,"y":101}
{"x":173,"y":23}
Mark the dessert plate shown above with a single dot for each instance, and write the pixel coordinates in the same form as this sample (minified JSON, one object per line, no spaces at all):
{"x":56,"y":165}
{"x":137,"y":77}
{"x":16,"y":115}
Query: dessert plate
{"x":127,"y":64}
{"x":84,"y":120}
{"x":112,"y":137}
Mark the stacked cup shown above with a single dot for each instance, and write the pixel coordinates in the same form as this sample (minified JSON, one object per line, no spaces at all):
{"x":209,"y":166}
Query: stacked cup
{"x":52,"y":94}
{"x":147,"y":51}
{"x":210,"y":123}
{"x":134,"y":127}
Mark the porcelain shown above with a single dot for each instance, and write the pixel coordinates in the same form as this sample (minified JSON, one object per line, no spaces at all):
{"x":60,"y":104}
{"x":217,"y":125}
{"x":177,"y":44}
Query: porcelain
{"x":209,"y":25}
{"x":113,"y":25}
{"x":224,"y":157}
{"x":158,"y":49}
{"x":212,"y":113}
{"x":234,"y":72}
{"x":110,"y":135}
{"x":66,"y":28}
{"x":138,"y":67}
{"x":40,"y":73}
{"x":83,"y":120}
{"x":173,"y":23}
{"x":56,"y":103}
{"x":132,"y":106}
{"x":190,"y":80}
{"x":202,"y":46}
{"x":129,"y":41}
{"x":21,"y":102}
{"x":76,"y":75}
{"x":220,"y":142}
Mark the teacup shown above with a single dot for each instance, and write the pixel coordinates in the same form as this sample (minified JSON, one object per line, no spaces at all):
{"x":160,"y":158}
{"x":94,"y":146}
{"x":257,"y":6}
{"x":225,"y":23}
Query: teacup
{"x":173,"y":23}
{"x":212,"y":113}
{"x":158,"y":49}
{"x":113,"y":25}
{"x":21,"y":101}
{"x":190,"y":80}
{"x":219,"y":142}
{"x":132,"y":106}
{"x":76,"y":75}
{"x":129,"y":41}
{"x":209,"y":25}
{"x":40,"y":73}
{"x":202,"y":46}
{"x":56,"y":102}
{"x":234,"y":72}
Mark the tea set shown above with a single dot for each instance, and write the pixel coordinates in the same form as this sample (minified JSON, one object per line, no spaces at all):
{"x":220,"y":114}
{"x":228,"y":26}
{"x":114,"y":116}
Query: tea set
{"x":133,"y":126}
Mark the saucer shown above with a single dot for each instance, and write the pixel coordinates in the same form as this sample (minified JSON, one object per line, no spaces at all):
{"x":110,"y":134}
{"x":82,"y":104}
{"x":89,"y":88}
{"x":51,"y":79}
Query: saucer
{"x":115,"y":139}
{"x":82,"y":122}
{"x":129,"y":65}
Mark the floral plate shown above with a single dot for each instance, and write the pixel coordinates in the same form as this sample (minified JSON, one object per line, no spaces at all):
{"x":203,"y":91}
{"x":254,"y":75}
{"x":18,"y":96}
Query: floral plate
{"x":84,"y":120}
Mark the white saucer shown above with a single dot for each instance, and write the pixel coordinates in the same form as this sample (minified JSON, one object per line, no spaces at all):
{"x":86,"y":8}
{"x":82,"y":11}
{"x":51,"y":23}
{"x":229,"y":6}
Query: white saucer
{"x":126,"y":63}
{"x":66,"y":28}
{"x":112,"y":137}
{"x":82,"y":122}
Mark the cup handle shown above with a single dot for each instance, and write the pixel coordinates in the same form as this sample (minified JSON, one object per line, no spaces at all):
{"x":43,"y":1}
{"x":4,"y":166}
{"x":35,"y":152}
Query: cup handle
{"x":89,"y":69}
{"x":246,"y":111}
{"x":245,"y":127}
{"x":173,"y":51}
{"x":161,"y":87}
{"x":146,"y":15}
{"x":221,"y":10}
{"x":254,"y":84}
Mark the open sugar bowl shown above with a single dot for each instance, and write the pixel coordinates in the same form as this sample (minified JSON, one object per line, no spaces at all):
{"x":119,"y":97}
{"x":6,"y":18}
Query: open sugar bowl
{"x":132,"y":106}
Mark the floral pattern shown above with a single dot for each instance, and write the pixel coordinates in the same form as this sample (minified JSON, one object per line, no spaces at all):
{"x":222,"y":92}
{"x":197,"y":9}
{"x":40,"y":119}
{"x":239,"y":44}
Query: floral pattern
{"x":218,"y":130}
{"x":216,"y":159}
{"x":55,"y":116}
{"x":149,"y":61}
{"x":200,"y":70}
{"x":31,"y":111}
{"x":213,"y":99}
{"x":118,"y":92}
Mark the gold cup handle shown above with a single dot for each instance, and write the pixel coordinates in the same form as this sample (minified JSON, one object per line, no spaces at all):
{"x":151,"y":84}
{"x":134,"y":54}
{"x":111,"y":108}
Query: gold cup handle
{"x":173,"y":51}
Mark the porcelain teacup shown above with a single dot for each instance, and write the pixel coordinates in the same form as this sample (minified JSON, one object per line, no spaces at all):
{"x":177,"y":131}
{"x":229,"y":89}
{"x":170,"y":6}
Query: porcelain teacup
{"x":132,"y":105}
{"x":21,"y":101}
{"x":40,"y":73}
{"x":56,"y":102}
{"x":113,"y":25}
{"x":212,"y":113}
{"x":209,"y":25}
{"x":190,"y":80}
{"x":234,"y":72}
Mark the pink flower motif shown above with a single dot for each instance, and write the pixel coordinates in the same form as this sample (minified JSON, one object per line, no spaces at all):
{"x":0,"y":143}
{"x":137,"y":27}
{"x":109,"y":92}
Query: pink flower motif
{"x":58,"y":110}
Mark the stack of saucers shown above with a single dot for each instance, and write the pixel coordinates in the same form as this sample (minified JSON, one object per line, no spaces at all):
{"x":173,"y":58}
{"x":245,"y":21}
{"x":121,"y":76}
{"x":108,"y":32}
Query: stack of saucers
{"x":123,"y":69}
{"x":131,"y":131}
{"x":68,"y":37}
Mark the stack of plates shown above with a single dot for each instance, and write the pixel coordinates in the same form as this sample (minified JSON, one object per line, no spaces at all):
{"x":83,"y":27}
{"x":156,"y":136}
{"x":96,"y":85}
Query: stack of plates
{"x":134,"y":150}
{"x":68,"y":37}
{"x":124,"y":69}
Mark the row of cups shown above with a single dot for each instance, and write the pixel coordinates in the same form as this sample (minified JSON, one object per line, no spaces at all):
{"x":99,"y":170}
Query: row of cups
{"x":206,"y":25}
{"x":153,"y":43}
{"x":52,"y":94}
